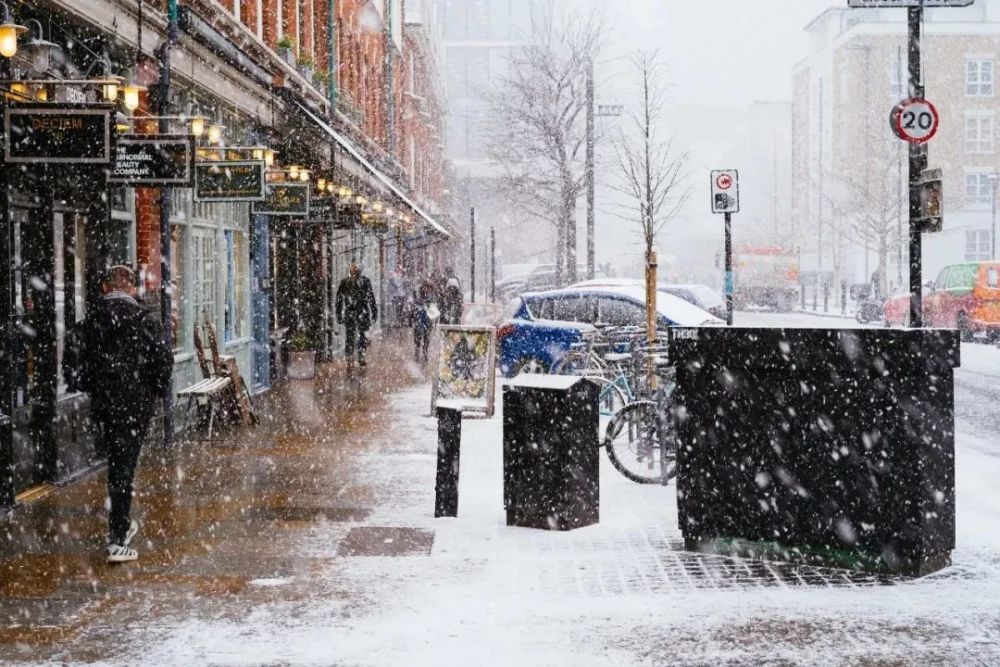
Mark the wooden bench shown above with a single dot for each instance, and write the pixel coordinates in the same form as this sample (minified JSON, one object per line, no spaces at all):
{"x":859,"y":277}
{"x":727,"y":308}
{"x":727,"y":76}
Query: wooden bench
{"x":207,"y":395}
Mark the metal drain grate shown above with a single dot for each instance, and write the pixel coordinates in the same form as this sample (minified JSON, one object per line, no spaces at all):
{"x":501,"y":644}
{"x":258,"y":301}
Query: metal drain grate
{"x":392,"y":542}
{"x":333,"y":514}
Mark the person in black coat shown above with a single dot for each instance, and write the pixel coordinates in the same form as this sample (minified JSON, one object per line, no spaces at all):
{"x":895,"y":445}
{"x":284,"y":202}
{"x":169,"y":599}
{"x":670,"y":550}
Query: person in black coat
{"x":125,"y":365}
{"x":357,"y":311}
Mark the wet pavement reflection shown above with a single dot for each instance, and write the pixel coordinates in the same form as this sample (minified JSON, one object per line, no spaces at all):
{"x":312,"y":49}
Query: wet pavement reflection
{"x":218,"y":520}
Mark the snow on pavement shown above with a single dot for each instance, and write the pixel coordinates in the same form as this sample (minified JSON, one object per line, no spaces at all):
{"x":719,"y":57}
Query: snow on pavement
{"x":617,"y":593}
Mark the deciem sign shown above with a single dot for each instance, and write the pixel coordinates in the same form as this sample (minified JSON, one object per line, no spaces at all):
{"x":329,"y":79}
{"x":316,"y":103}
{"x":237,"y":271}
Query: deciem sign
{"x":916,"y":120}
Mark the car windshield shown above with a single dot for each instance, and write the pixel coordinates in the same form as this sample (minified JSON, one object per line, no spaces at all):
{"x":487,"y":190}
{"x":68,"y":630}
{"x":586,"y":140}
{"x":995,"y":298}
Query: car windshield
{"x":513,"y":306}
{"x":963,"y":276}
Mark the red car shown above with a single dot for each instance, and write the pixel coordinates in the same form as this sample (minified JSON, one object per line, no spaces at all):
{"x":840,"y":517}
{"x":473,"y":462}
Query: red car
{"x":964,"y":297}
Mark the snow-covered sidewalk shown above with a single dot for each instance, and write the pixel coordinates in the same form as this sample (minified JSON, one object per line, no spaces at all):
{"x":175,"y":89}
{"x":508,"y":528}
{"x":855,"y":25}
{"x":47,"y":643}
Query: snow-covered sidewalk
{"x":473,"y":591}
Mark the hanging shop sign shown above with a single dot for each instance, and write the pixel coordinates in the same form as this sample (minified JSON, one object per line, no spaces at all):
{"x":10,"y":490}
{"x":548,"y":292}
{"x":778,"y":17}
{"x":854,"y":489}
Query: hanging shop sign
{"x":58,"y":134}
{"x":290,"y":199}
{"x":163,"y":159}
{"x":229,"y":181}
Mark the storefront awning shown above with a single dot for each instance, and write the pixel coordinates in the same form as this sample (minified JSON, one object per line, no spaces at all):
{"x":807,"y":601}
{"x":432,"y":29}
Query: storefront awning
{"x":368,"y":166}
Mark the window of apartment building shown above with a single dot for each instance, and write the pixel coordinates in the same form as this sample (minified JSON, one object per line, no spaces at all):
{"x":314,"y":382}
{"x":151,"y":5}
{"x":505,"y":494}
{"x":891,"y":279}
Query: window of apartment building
{"x":979,"y":76}
{"x":978,"y":189}
{"x":979,"y":132}
{"x":977,"y":245}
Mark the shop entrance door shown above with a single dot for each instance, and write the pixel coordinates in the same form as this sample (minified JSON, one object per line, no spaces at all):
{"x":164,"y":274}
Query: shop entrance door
{"x":260,"y":306}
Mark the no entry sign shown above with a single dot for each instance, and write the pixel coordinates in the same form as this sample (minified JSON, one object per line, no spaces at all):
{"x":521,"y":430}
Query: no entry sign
{"x":915,"y":120}
{"x":725,"y":191}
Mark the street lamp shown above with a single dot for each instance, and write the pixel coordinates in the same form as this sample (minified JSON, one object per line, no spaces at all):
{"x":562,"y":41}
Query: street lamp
{"x":40,"y":48}
{"x":9,"y":32}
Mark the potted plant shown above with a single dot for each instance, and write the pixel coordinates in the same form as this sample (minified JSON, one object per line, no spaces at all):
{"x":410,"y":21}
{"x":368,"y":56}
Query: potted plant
{"x":301,"y":356}
{"x":305,"y":67}
{"x":286,"y":47}
{"x":320,"y":78}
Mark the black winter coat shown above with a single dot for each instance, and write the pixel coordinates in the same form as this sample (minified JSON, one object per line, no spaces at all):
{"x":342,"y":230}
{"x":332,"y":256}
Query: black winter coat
{"x":124,"y":362}
{"x":356,"y":302}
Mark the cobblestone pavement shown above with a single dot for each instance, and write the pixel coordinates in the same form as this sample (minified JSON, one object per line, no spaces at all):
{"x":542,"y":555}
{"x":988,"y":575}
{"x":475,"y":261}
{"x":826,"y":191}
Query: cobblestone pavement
{"x":311,"y":541}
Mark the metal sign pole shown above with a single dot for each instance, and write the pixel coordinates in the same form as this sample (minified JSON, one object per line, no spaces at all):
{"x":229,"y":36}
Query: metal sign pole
{"x":472,"y":255}
{"x":918,"y":162}
{"x":729,"y":269}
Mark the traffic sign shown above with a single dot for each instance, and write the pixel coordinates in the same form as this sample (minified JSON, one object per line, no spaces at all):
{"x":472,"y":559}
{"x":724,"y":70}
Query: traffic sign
{"x":865,"y":4}
{"x":725,"y":191}
{"x":915,"y":120}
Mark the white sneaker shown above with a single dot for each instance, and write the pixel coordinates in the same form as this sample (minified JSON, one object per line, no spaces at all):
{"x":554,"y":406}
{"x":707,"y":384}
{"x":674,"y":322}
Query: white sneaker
{"x":119,"y":553}
{"x":133,"y":529}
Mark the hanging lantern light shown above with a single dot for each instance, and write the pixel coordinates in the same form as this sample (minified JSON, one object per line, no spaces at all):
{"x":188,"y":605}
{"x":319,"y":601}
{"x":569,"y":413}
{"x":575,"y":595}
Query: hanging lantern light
{"x":345,"y":192}
{"x":121,"y":122}
{"x":377,"y":206}
{"x":321,"y":184}
{"x":304,"y":175}
{"x":268,"y":157}
{"x":18,"y":88}
{"x":198,"y":125}
{"x":360,"y":200}
{"x":331,"y":188}
{"x":39,"y":48}
{"x":293,"y":171}
{"x":215,"y":131}
{"x":257,"y":153}
{"x":130,"y":95}
{"x":9,"y":32}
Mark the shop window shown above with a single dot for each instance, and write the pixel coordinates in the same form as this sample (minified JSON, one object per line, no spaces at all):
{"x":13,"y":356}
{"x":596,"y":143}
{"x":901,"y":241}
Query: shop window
{"x":236,"y":278}
{"x":177,"y":283}
{"x":203,"y":263}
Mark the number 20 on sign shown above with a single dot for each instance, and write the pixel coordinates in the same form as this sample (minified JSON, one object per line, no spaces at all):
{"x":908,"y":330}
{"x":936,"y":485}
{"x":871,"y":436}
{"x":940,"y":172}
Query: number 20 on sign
{"x":915,"y":120}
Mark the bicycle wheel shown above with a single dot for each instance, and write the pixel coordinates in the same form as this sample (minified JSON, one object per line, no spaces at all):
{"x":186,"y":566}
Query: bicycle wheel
{"x":640,"y":443}
{"x":579,"y":362}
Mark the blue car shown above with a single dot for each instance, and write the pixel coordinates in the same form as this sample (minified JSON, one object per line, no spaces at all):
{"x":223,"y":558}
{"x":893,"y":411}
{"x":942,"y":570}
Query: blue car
{"x":540,"y":327}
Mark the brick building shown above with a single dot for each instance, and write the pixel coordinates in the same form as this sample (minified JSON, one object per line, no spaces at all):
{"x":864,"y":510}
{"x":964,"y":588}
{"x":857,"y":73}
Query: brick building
{"x":347,"y":91}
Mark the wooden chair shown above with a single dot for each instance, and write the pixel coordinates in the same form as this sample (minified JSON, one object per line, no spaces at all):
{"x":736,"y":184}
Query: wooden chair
{"x":226,"y":366}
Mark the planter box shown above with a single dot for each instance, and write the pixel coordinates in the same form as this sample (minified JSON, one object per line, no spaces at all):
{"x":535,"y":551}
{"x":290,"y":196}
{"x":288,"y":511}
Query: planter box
{"x":834,"y":446}
{"x":301,"y":365}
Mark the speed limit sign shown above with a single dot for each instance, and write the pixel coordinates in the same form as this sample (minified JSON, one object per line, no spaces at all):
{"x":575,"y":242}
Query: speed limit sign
{"x":915,"y":120}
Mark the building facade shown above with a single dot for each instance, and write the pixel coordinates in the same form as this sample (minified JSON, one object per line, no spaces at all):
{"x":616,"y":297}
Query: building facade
{"x":329,"y":90}
{"x":850,"y":171}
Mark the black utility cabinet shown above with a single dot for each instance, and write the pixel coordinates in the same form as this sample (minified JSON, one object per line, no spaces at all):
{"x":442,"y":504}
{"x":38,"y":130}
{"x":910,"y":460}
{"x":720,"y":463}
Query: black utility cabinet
{"x":833,"y":445}
{"x":550,"y":452}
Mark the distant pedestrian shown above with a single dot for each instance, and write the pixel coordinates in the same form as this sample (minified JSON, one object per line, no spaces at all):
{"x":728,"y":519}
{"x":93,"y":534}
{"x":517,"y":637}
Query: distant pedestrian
{"x":357,"y":311}
{"x":125,"y":364}
{"x":425,"y":314}
{"x":399,"y":292}
{"x":451,"y":302}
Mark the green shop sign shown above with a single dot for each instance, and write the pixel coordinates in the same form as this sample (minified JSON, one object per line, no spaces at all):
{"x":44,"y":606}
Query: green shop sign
{"x":241,"y":180}
{"x":285,"y":199}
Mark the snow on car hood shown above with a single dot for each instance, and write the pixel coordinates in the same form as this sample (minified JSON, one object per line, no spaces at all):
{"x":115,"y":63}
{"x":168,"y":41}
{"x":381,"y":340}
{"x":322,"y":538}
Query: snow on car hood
{"x":673,"y":308}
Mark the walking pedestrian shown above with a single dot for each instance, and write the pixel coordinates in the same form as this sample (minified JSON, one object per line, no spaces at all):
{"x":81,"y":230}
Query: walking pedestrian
{"x":357,"y":311}
{"x":125,"y":364}
{"x":399,"y":292}
{"x":423,"y":319}
{"x":451,"y":302}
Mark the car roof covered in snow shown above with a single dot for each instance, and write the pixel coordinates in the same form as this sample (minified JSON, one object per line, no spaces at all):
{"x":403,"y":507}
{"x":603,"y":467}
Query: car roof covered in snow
{"x":673,"y":308}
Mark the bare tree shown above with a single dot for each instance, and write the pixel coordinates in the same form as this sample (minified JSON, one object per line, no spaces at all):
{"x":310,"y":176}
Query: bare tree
{"x":868,"y":203}
{"x":537,"y":126}
{"x":652,"y":173}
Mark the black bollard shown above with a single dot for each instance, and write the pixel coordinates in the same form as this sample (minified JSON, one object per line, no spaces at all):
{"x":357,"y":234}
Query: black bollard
{"x":449,"y":441}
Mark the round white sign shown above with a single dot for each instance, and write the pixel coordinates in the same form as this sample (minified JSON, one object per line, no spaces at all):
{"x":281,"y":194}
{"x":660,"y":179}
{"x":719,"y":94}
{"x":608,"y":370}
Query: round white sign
{"x":916,"y":120}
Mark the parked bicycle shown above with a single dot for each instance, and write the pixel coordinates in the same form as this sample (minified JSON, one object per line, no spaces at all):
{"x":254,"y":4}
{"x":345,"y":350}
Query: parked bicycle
{"x":637,"y":386}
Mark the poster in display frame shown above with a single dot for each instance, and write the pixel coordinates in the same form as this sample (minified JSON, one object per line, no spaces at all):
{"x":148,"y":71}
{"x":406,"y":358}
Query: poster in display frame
{"x":465,"y":376}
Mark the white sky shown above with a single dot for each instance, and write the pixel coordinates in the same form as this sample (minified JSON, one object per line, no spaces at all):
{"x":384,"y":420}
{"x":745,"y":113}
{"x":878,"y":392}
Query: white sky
{"x":723,"y":54}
